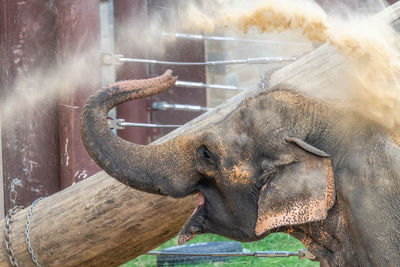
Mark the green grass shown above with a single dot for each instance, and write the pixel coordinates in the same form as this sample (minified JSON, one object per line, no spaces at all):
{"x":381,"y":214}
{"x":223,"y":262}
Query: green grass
{"x":276,"y":242}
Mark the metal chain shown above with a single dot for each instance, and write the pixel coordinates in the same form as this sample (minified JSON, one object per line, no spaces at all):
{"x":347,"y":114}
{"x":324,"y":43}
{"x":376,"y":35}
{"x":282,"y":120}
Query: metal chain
{"x":7,"y":229}
{"x":9,"y":219}
{"x":7,"y":232}
{"x":13,"y":194}
{"x":28,"y":222}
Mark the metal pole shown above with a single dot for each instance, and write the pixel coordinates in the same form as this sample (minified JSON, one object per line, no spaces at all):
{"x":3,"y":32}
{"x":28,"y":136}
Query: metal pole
{"x":258,"y":254}
{"x":260,"y":60}
{"x":301,"y":253}
{"x":189,"y":84}
{"x":109,"y":59}
{"x":229,"y":39}
{"x":120,"y":124}
{"x":162,"y":105}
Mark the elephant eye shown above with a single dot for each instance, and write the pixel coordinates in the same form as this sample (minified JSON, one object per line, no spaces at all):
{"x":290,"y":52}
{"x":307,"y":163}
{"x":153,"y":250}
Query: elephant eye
{"x":204,"y":152}
{"x":208,"y":161}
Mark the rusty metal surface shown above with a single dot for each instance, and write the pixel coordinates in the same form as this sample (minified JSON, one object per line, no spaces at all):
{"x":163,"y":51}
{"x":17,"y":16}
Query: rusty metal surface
{"x":133,"y":14}
{"x":29,"y":131}
{"x":78,"y":32}
{"x":181,"y":50}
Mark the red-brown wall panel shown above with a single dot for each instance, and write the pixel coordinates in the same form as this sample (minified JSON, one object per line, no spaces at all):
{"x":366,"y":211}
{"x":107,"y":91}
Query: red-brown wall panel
{"x":29,"y":129}
{"x":78,"y":38}
{"x":129,"y":17}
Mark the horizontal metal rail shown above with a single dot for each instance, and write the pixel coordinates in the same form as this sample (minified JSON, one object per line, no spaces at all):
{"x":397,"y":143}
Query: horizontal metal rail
{"x":162,"y":105}
{"x":120,"y":124}
{"x":110,"y":59}
{"x":260,"y":60}
{"x":302,"y":254}
{"x":267,"y":254}
{"x":229,"y":39}
{"x":207,"y":85}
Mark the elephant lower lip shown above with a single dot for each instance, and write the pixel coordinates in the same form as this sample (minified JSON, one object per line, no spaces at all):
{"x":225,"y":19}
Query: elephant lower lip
{"x":200,"y":199}
{"x":191,"y":226}
{"x":200,"y":202}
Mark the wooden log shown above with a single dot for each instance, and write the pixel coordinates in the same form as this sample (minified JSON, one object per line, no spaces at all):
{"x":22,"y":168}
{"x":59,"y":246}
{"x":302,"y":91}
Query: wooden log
{"x":101,"y":222}
{"x":96,"y":222}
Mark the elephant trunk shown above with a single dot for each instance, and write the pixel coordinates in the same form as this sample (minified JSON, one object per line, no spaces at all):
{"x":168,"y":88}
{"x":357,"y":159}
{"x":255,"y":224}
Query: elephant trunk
{"x":141,"y":167}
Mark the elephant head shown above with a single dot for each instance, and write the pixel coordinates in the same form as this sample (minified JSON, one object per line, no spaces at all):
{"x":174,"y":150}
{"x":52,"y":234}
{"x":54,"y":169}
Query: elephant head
{"x":252,"y":170}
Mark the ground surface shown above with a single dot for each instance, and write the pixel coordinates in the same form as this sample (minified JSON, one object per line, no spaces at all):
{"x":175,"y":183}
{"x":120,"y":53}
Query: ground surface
{"x":272,"y":242}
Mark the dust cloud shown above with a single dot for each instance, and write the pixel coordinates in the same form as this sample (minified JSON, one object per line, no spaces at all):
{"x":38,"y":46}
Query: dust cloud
{"x":369,"y":43}
{"x":46,"y":83}
{"x":371,"y":46}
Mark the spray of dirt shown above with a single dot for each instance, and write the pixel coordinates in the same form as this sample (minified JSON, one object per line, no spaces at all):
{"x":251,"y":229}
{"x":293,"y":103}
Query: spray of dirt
{"x":370,"y":44}
{"x":49,"y":82}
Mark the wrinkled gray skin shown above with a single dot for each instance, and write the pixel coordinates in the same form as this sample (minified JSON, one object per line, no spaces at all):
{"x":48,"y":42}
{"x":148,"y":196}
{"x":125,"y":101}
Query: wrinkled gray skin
{"x":255,"y":153}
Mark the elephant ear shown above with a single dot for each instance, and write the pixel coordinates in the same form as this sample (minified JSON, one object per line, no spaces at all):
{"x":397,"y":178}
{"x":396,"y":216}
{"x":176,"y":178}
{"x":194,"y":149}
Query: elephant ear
{"x":301,"y":191}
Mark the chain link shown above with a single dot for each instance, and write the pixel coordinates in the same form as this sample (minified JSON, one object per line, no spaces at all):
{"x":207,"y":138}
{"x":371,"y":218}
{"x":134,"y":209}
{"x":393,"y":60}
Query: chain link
{"x":7,"y":232}
{"x":28,"y":222}
{"x":13,"y":192}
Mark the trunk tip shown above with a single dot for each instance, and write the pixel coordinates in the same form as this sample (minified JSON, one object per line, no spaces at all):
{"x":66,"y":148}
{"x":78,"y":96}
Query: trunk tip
{"x":168,"y":74}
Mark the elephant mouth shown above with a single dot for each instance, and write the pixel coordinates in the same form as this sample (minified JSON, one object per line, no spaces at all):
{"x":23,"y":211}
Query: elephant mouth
{"x":194,"y":224}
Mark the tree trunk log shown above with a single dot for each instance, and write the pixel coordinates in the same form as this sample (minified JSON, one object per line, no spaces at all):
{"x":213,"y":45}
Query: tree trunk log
{"x":101,"y":222}
{"x":96,"y":222}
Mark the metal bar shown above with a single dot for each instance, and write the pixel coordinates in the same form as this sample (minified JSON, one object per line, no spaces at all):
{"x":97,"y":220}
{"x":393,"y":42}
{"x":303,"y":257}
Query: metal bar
{"x":162,"y":105}
{"x":260,"y":60}
{"x":109,"y":59}
{"x":147,"y":125}
{"x":206,"y":85}
{"x":301,"y":253}
{"x":258,"y":254}
{"x":229,"y":39}
{"x":120,"y":124}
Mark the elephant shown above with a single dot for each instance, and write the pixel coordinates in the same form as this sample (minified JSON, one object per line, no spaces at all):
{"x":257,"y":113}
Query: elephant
{"x":282,"y":161}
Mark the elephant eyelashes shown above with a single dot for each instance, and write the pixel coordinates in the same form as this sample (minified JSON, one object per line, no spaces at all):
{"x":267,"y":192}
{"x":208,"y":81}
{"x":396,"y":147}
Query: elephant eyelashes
{"x":204,"y":153}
